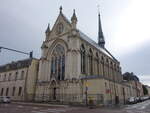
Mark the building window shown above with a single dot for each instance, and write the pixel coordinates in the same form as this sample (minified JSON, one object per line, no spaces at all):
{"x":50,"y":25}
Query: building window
{"x":103,"y":70}
{"x":82,"y":59}
{"x":58,"y":62}
{"x":59,"y":68}
{"x":97,"y":63}
{"x":2,"y":90}
{"x":4,"y":79}
{"x":13,"y":92}
{"x":91,"y":62}
{"x":55,"y":71}
{"x":9,"y":77}
{"x":106,"y":86}
{"x":7,"y":91}
{"x":52,"y":66}
{"x":107,"y":62}
{"x":63,"y":67}
{"x":16,"y":76}
{"x":22,"y":75}
{"x":20,"y":91}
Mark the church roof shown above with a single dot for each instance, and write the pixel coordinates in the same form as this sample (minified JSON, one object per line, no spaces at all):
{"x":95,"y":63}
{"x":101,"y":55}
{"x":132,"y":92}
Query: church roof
{"x":86,"y":38}
{"x":93,"y":43}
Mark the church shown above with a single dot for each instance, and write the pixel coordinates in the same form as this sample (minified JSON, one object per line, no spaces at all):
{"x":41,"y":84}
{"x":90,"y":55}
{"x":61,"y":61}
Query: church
{"x":75,"y":69}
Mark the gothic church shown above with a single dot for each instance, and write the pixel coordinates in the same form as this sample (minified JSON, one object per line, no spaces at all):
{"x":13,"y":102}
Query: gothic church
{"x":75,"y":69}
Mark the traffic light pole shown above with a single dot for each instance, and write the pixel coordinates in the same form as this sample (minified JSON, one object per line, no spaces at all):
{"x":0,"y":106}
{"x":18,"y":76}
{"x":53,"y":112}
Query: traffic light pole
{"x":30,"y":54}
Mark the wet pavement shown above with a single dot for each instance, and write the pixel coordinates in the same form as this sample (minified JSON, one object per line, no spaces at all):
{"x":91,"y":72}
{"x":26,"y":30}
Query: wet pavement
{"x":143,"y":107}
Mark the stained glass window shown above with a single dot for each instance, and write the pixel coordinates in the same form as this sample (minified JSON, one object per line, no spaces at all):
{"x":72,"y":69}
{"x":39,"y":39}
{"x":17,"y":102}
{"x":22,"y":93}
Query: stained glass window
{"x":58,"y":62}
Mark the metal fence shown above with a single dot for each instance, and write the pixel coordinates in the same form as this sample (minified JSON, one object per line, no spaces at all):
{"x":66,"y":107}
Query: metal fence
{"x":94,"y":99}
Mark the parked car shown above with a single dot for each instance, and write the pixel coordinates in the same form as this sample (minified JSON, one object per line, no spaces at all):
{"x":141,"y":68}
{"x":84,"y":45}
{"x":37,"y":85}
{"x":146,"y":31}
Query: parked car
{"x":5,"y":99}
{"x":137,"y":99}
{"x":144,"y":98}
{"x":1,"y":99}
{"x":131,"y":100}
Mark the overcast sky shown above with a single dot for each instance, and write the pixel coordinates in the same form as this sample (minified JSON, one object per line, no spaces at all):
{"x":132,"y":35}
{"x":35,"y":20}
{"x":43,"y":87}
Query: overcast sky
{"x":126,"y":25}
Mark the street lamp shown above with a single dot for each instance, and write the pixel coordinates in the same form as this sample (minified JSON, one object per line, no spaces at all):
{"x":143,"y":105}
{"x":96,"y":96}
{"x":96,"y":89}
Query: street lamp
{"x":30,"y":53}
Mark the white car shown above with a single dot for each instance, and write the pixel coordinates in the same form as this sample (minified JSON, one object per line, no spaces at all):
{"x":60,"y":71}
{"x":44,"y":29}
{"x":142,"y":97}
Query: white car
{"x":5,"y":99}
{"x":131,"y":100}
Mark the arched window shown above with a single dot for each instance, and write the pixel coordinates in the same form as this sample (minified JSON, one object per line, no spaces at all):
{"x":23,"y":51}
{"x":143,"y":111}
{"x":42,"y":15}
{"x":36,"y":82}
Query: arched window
{"x":97,"y":63}
{"x":63,"y":67}
{"x":55,"y":65}
{"x":111,"y":70}
{"x":52,"y":65}
{"x":16,"y":76}
{"x":114,"y":70}
{"x":9,"y":77}
{"x":4,"y":79}
{"x":22,"y":75}
{"x":103,"y":70}
{"x":82,"y":59}
{"x":107,"y":67}
{"x":58,"y":62}
{"x":90,"y":62}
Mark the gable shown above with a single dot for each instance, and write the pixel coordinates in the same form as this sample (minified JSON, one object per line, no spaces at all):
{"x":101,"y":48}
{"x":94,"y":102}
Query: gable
{"x":61,"y":26}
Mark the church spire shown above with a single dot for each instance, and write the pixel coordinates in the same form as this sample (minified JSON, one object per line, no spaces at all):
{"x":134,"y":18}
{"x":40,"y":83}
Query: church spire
{"x":101,"y":40}
{"x":74,"y":19}
{"x":60,"y":9}
{"x":47,"y":30}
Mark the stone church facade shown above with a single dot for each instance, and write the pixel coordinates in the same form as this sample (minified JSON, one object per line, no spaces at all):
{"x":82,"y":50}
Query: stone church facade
{"x":75,"y":69}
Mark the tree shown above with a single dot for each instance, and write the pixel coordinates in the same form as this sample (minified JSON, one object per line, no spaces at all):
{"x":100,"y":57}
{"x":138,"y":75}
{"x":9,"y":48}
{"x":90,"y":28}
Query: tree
{"x":145,"y":91}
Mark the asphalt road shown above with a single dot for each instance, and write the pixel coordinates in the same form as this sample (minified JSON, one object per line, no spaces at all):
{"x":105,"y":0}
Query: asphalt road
{"x":143,"y":107}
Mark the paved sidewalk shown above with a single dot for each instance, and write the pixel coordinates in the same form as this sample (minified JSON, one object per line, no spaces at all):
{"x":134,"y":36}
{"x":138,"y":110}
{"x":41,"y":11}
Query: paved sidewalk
{"x":40,"y":104}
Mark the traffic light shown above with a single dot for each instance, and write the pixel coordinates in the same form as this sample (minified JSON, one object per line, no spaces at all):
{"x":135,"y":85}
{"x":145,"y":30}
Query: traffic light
{"x":31,"y":54}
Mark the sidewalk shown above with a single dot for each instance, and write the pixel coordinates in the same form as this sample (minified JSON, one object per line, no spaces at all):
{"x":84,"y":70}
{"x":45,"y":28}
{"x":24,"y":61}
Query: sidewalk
{"x":40,"y":104}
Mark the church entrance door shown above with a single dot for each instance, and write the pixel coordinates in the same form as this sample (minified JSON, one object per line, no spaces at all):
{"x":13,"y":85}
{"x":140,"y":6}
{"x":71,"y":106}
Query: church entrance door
{"x":54,"y":93}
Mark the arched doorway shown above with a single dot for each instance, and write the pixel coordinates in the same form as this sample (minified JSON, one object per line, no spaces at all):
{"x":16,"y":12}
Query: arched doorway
{"x":53,"y":90}
{"x":54,"y":93}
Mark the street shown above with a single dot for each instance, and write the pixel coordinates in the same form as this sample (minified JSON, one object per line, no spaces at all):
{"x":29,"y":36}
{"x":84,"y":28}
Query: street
{"x":143,"y":107}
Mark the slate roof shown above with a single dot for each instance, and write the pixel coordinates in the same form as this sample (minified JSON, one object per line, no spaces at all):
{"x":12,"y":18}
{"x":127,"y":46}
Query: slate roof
{"x":93,"y":43}
{"x":15,"y":65}
{"x":89,"y":40}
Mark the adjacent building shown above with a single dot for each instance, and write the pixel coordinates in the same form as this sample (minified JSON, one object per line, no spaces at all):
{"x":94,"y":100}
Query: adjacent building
{"x":17,"y":79}
{"x":133,"y":80}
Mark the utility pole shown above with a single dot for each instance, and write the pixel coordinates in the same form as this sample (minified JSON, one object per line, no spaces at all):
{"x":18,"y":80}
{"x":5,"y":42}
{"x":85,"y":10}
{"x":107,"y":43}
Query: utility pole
{"x":30,"y":53}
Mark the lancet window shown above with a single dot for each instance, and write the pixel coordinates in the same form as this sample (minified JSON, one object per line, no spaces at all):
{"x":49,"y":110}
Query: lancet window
{"x":58,"y":62}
